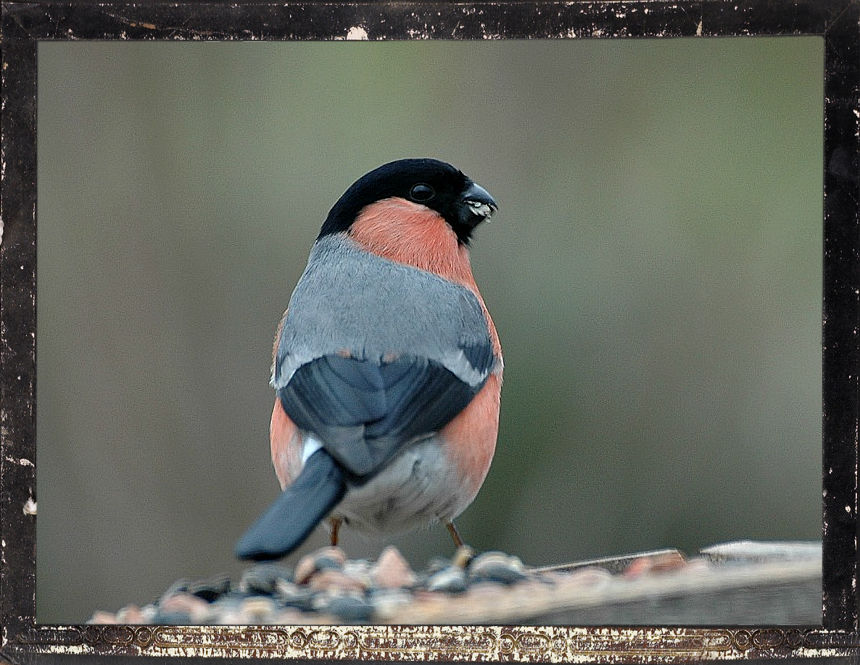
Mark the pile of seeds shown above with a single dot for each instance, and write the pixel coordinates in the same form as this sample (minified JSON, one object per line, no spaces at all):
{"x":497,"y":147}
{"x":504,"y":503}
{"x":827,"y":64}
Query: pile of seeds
{"x":740,"y":582}
{"x":325,"y":587}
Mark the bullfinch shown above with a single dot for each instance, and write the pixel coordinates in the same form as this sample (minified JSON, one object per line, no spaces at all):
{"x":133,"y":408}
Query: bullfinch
{"x":386,"y":365}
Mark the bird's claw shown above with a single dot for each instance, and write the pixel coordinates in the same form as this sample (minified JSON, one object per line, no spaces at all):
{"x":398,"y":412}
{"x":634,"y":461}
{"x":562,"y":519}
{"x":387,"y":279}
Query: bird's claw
{"x":463,"y":557}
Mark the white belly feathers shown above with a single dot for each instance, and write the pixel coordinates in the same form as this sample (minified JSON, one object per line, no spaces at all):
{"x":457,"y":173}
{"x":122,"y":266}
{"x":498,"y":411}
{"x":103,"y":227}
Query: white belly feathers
{"x":418,"y":486}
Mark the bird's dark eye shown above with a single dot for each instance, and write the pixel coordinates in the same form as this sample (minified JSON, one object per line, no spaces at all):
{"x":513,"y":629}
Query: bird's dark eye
{"x":422,"y":192}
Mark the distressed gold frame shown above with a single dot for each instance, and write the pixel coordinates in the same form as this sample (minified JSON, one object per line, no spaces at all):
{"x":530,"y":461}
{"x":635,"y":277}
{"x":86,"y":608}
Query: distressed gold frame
{"x":837,"y":21}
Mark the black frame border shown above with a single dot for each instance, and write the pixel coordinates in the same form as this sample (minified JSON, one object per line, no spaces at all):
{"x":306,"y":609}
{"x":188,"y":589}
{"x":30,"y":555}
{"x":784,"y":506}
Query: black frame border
{"x":24,"y":24}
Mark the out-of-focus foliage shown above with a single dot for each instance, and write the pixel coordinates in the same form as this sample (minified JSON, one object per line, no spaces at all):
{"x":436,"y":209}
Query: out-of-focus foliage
{"x":654,"y":272}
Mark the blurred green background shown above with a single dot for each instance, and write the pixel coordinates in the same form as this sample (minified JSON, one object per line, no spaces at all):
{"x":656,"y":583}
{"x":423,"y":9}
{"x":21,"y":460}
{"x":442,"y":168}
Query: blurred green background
{"x":654,"y":272}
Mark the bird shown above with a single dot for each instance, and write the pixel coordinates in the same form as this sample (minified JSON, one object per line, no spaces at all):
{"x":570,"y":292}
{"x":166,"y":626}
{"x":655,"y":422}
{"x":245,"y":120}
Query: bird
{"x":387,"y":366}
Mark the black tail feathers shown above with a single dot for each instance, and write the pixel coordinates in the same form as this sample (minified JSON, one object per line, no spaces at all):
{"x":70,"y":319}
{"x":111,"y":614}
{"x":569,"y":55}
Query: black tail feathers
{"x":294,"y":514}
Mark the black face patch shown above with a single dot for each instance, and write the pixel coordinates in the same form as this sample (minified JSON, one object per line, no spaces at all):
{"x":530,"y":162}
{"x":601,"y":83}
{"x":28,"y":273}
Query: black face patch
{"x":429,"y":182}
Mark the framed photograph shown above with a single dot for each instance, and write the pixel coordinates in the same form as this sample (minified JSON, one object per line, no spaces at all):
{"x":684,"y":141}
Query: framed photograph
{"x":673,"y":270}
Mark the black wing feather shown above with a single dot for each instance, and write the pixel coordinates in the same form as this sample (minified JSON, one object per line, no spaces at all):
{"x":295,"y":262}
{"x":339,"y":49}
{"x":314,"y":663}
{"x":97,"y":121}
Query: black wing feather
{"x":480,"y":356}
{"x":364,"y":410}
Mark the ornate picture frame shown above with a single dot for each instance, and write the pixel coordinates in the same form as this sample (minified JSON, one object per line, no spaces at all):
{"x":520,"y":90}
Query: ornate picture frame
{"x":836,"y":21}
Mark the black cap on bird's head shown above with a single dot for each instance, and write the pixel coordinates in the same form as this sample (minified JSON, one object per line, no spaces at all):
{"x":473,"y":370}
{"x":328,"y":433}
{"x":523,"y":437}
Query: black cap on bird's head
{"x":428,"y":182}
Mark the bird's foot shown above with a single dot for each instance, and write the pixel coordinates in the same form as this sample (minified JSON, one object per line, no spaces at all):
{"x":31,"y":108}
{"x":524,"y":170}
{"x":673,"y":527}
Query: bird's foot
{"x":463,"y":557}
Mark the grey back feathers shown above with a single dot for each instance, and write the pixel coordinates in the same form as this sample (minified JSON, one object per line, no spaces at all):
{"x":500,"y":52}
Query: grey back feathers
{"x":349,"y":299}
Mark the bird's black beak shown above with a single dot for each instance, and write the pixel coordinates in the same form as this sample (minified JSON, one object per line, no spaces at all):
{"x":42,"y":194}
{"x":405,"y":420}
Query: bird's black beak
{"x":476,"y":205}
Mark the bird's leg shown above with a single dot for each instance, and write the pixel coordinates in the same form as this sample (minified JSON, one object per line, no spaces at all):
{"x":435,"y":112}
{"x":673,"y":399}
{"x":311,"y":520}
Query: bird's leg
{"x":458,"y":541}
{"x":334,"y":523}
{"x":464,"y":553}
